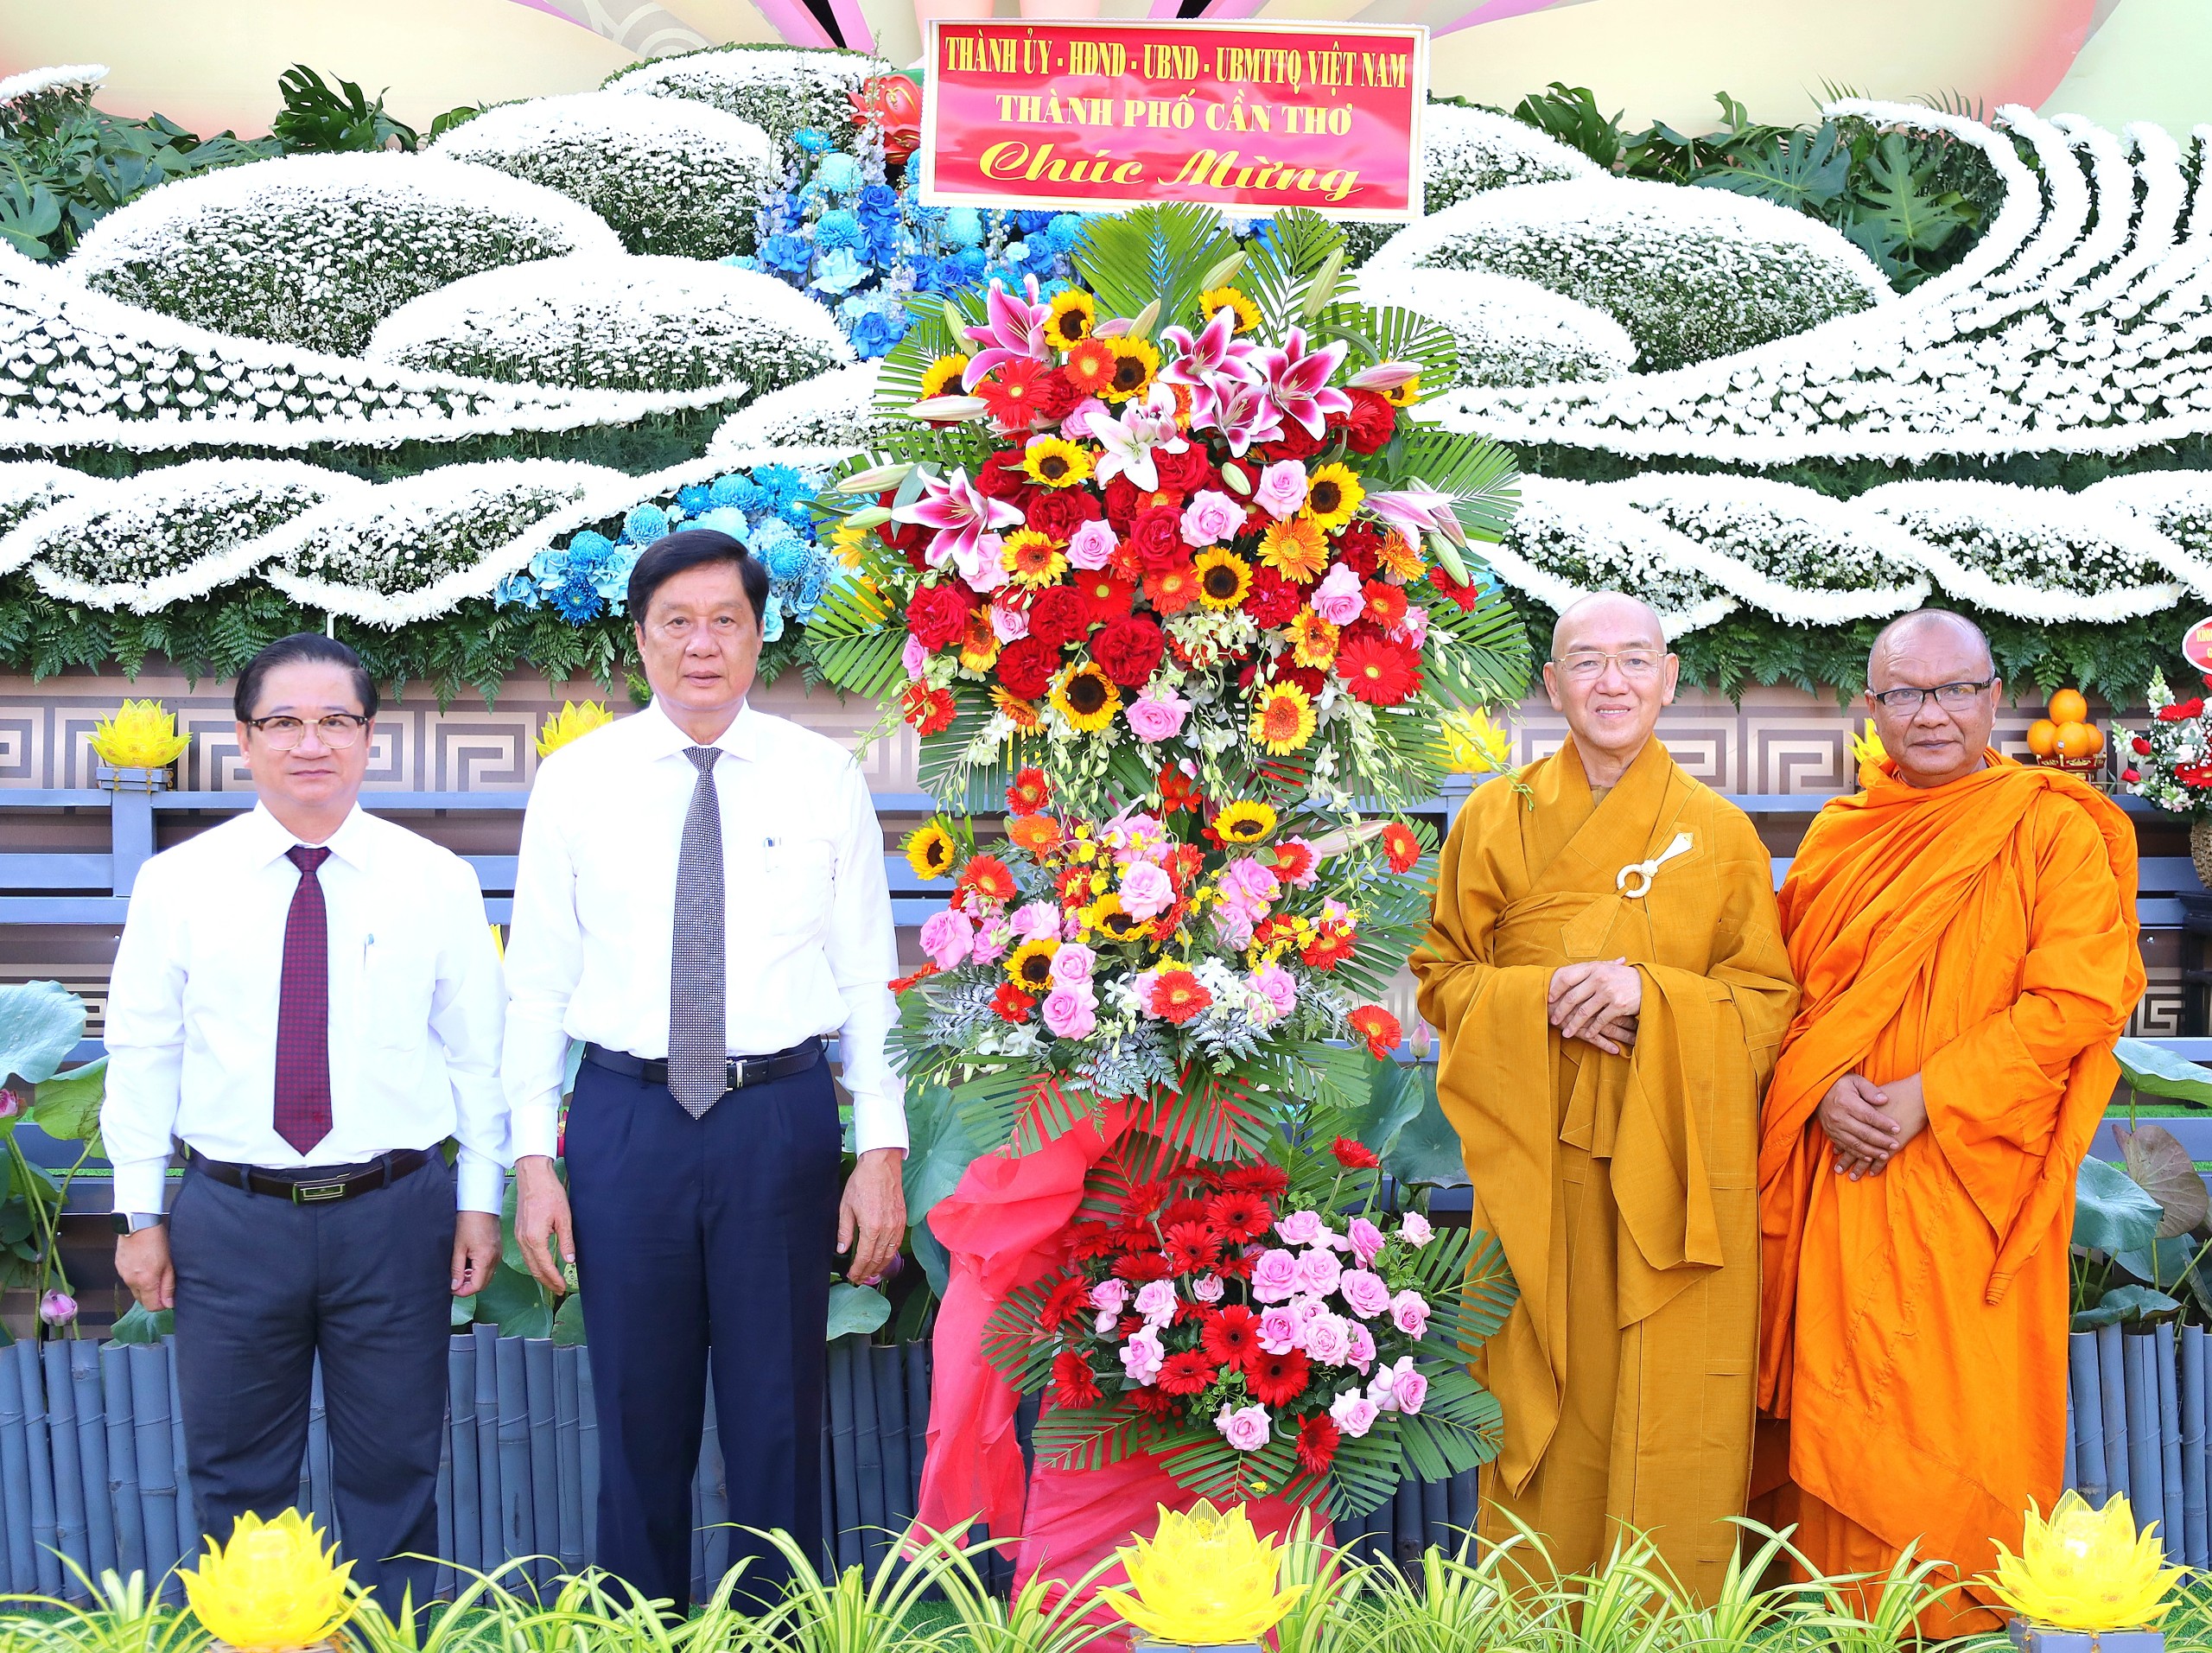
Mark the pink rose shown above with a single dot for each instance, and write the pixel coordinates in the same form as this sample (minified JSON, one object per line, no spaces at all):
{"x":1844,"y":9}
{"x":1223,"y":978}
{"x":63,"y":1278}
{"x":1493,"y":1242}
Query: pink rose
{"x":1353,"y":1412}
{"x":1157,"y":717}
{"x":1274,"y":983}
{"x":1247,"y":888}
{"x":1413,"y":630}
{"x":1092,"y":546}
{"x":1282,"y":489}
{"x":992,"y":940}
{"x":1136,"y":838}
{"x":1414,"y":1230}
{"x":1146,"y":891}
{"x":1328,"y":1339}
{"x":1009,"y":619}
{"x":1366,"y":1241}
{"x":1207,"y":1288}
{"x":1364,"y":1293}
{"x":1037,"y":921}
{"x":1110,"y":1295}
{"x":948,"y":938}
{"x":1408,"y":1389}
{"x":1246,"y":1429}
{"x":1076,"y":424}
{"x":1235,"y":930}
{"x":1071,"y":1011}
{"x":1363,"y":1347}
{"x":1409,"y":1314}
{"x":1274,"y":1276}
{"x":1279,"y":1330}
{"x":1143,"y":1356}
{"x":913,"y":657}
{"x":1338,"y":598}
{"x":1210,"y":518}
{"x":1301,"y":1228}
{"x":1073,"y":962}
{"x":1156,"y":1301}
{"x":1319,"y":1271}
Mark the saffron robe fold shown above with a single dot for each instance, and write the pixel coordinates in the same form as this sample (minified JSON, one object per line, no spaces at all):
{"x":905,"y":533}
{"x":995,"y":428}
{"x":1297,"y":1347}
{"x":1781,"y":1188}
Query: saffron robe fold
{"x":1982,"y":935}
{"x":1620,"y":1186}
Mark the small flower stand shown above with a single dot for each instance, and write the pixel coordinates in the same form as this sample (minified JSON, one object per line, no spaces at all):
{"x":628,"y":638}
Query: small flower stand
{"x":2042,"y":1638}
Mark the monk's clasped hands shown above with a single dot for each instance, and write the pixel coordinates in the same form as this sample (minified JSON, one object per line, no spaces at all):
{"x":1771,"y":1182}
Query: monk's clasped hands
{"x":1598,"y":1001}
{"x":1868,"y":1124}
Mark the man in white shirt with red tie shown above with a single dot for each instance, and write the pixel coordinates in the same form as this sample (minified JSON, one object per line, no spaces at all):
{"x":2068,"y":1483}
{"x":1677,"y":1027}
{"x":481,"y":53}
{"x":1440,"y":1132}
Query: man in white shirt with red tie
{"x":308,"y":999}
{"x":700,"y":901}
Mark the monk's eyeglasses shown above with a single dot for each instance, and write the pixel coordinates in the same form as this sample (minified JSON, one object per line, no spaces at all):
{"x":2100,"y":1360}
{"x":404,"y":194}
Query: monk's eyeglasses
{"x":1951,"y":697}
{"x":1636,"y":665}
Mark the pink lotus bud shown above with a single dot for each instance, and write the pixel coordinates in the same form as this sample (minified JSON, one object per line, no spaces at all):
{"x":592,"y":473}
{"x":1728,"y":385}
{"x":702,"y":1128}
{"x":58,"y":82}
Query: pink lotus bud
{"x":57,"y":1308}
{"x":10,"y":1105}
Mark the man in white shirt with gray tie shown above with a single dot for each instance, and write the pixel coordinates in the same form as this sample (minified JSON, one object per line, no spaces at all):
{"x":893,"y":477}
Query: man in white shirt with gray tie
{"x":309,"y":1000}
{"x":700,"y":901}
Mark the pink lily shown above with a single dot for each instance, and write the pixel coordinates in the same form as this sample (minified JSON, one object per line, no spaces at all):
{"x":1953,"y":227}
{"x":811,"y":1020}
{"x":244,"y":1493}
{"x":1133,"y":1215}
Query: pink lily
{"x":1244,"y":414}
{"x":1126,"y":443}
{"x":1415,"y":508}
{"x":1385,"y":376}
{"x":960,"y":512}
{"x":1015,"y":332}
{"x":1299,"y":380}
{"x":1206,"y":361}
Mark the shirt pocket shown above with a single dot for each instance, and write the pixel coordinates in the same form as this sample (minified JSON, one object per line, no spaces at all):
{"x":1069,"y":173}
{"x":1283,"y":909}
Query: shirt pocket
{"x":797,"y":881}
{"x":398,"y":976}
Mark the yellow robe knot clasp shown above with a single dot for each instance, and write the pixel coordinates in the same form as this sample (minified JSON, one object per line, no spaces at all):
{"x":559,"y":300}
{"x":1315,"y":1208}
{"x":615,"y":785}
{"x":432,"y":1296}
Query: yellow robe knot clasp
{"x":1645,"y":871}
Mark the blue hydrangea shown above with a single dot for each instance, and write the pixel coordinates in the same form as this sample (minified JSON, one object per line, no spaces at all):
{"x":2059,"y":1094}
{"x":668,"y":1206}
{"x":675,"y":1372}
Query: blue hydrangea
{"x":840,"y":227}
{"x":645,"y":524}
{"x":694,"y":498}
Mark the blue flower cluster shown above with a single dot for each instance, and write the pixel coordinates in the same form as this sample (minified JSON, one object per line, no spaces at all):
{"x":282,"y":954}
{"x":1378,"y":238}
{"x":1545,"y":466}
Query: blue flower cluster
{"x":766,"y":508}
{"x":839,"y":231}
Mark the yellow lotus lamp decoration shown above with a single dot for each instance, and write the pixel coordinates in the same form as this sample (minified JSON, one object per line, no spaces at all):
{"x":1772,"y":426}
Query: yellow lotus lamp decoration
{"x":2085,"y":1569}
{"x":142,"y":735}
{"x":1476,"y":744}
{"x":1868,"y":750}
{"x":1204,"y":1579}
{"x":571,"y":722}
{"x":273,"y":1588}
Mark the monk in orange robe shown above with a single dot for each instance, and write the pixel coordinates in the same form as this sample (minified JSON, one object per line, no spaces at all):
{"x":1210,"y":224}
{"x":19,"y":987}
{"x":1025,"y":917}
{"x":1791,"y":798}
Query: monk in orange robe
{"x":1965,"y":930}
{"x":1605,"y":965}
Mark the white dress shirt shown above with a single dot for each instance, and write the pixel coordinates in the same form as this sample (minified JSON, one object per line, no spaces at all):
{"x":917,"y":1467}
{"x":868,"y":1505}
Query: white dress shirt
{"x":416,"y":1003}
{"x":808,"y":933}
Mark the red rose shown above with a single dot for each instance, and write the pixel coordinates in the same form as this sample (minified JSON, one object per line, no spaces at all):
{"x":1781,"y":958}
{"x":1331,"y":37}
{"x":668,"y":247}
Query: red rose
{"x":1012,"y":1004}
{"x":1058,"y":617}
{"x":1058,"y":513}
{"x":1055,"y":398}
{"x":1002,"y":477}
{"x":1122,"y":502}
{"x":1186,"y":472}
{"x":1074,"y":1384}
{"x":1369,"y":425}
{"x":1293,"y":443}
{"x":937,"y":616}
{"x":1272,"y":600}
{"x":1157,"y":534}
{"x":1359,"y":548}
{"x":2142,"y":747}
{"x":1317,"y":1439}
{"x":1353,"y":1156}
{"x":1128,"y":651}
{"x":1027,"y":665}
{"x":2130,"y":776}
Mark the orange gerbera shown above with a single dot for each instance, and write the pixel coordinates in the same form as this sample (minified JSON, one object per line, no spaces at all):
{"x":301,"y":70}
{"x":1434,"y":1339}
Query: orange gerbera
{"x":988,"y":877}
{"x":1022,"y":714}
{"x":1030,"y":791}
{"x":1314,"y":640}
{"x":1032,"y":559}
{"x":1282,"y":718}
{"x":979,"y":647}
{"x":1035,"y":834}
{"x":1377,"y":1027}
{"x":1295,"y":550}
{"x":1401,"y":556}
{"x":1173,"y":590}
{"x":1091,"y":366}
{"x":1400,"y":846}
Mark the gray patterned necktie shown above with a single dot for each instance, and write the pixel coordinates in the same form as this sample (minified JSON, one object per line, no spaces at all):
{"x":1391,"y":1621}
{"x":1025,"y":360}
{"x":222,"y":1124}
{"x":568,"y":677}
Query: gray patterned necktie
{"x":698,"y":1053}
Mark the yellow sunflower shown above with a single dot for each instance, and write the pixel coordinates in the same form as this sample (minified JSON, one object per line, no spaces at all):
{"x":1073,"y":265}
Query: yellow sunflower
{"x":1055,"y":464}
{"x":1405,"y":395}
{"x":1295,"y":549}
{"x":1282,"y":718}
{"x":1106,"y":917}
{"x":1332,"y":494}
{"x":1086,"y":697}
{"x":1029,"y":966}
{"x":1074,"y":313}
{"x":1134,"y":363}
{"x":942,"y":377}
{"x":1032,"y":559}
{"x":1314,"y":640}
{"x":930,"y":851}
{"x":1217,"y":299}
{"x":1223,"y":578}
{"x":1244,"y":822}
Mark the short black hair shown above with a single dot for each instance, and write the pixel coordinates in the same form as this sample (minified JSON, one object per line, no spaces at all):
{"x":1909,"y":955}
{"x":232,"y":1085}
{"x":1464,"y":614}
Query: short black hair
{"x":300,"y":646}
{"x":691,"y":548}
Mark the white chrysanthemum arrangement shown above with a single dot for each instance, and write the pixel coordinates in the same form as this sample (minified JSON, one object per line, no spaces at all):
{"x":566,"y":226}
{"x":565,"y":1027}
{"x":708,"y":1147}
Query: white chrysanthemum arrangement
{"x":778,"y":89}
{"x":1508,"y":331}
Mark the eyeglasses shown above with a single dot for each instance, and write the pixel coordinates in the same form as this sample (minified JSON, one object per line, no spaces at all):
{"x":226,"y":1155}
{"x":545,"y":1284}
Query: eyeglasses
{"x":338,"y":731}
{"x":1951,"y":697}
{"x":1636,"y":665}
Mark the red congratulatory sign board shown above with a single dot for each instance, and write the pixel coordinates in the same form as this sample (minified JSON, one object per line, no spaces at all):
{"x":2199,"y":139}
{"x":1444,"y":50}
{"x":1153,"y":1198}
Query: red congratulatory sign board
{"x":1250,"y":117}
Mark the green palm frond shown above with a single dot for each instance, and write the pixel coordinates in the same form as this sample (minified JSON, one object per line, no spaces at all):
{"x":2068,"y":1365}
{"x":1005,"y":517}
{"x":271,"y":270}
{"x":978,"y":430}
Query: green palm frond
{"x":1488,"y":660}
{"x":1087,"y":1438}
{"x":854,"y":637}
{"x":1394,"y":333}
{"x":1483,"y":477}
{"x":1282,"y":266}
{"x":1160,"y":252}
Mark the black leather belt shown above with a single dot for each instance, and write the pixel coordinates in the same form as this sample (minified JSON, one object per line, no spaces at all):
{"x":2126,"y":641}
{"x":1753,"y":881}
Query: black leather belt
{"x":317,"y":1185}
{"x":741,"y":1071}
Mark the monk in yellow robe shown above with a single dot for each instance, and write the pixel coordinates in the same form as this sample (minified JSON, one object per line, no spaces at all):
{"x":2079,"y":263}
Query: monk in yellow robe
{"x":1965,"y":930}
{"x":1605,"y":965}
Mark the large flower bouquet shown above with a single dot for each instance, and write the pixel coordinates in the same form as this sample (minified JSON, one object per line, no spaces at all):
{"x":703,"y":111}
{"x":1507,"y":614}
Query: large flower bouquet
{"x":2170,"y":762}
{"x":1167,"y":569}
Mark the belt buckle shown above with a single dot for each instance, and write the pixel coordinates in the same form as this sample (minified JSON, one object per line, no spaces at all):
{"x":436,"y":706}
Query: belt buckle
{"x":735,"y":1076}
{"x":308,"y":1194}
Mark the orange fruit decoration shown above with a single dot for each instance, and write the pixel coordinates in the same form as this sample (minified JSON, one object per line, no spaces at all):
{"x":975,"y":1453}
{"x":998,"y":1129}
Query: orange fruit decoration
{"x":2043,"y":737}
{"x":2079,"y":741}
{"x":2068,"y":706}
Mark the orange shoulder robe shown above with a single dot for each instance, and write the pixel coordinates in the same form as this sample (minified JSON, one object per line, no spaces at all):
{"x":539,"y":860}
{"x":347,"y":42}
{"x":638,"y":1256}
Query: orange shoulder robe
{"x":1622,"y":1187}
{"x":1980,"y":934}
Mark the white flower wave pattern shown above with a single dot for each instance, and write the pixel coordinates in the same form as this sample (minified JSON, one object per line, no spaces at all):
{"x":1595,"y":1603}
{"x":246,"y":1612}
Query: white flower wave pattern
{"x":618,"y":323}
{"x":669,"y":176}
{"x":28,"y":489}
{"x":315,"y":250}
{"x":778,"y":89}
{"x":836,"y":411}
{"x":2056,"y":334}
{"x":1508,"y":331}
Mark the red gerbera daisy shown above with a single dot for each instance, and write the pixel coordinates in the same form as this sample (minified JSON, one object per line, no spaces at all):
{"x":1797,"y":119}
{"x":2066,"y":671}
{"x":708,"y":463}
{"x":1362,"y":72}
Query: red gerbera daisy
{"x":1400,"y":845}
{"x":1178,"y":995}
{"x":1068,"y":1299}
{"x":1143,"y":1266}
{"x":1190,"y":1209}
{"x":1354,"y":1156}
{"x":928,"y":970}
{"x":1144,"y":1198}
{"x":1267,"y":1179}
{"x":1239,"y":1217}
{"x":1011,"y":393}
{"x":1151,"y":1401}
{"x":1187,"y":1373}
{"x":1232,"y":1336}
{"x":1074,"y":1384}
{"x":1089,"y":1241}
{"x":988,"y":877}
{"x":1012,"y":1004}
{"x":1317,"y":1439}
{"x":1192,"y":1248}
{"x":1377,"y":671}
{"x":930,"y":711}
{"x":1377,"y":1027}
{"x":1329,"y":948}
{"x":1293,"y":860}
{"x":1105,"y":598}
{"x":1030,"y":792}
{"x":1277,"y":1380}
{"x":1173,"y":588}
{"x":1236,"y":1267}
{"x":1386,"y":603}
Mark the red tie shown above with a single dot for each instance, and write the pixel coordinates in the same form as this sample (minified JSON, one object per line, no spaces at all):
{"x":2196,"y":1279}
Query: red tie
{"x":304,"y":1011}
